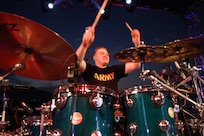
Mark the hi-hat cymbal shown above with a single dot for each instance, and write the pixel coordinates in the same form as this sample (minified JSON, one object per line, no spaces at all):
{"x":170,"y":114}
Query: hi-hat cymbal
{"x":147,"y":54}
{"x":41,"y":51}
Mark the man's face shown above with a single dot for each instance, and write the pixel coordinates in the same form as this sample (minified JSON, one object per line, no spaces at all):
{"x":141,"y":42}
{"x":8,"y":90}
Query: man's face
{"x":101,"y":57}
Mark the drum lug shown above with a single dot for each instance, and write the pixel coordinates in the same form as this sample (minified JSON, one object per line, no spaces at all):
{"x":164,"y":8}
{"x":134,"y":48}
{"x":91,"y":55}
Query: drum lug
{"x":164,"y":125}
{"x":61,"y":97}
{"x":61,"y":102}
{"x":56,"y":133}
{"x":179,"y":124}
{"x":96,"y":133}
{"x":96,"y":101}
{"x":129,"y":102}
{"x":132,"y":128}
{"x":158,"y":99}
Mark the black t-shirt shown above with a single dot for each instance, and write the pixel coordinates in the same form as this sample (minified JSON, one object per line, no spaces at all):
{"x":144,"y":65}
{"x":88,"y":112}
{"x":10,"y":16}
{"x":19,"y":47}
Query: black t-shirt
{"x":107,"y":77}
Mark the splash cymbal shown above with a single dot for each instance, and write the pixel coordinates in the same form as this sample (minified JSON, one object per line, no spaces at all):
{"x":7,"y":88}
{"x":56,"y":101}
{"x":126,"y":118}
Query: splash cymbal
{"x":42,"y":51}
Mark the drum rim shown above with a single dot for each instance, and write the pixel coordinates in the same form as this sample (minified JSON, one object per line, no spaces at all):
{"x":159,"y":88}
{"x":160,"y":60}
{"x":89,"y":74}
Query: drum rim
{"x":90,"y":89}
{"x":140,"y":89}
{"x":95,"y":89}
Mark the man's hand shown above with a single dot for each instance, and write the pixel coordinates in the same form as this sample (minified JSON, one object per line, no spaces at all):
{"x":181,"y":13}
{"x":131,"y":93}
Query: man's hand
{"x":88,"y":36}
{"x":135,"y":33}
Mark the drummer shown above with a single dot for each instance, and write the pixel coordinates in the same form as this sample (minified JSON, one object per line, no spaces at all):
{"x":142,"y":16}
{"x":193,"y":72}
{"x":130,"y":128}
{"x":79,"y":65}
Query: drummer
{"x":101,"y":74}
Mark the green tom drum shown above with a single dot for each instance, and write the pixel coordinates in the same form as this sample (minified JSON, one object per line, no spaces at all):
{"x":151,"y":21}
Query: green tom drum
{"x":148,"y":112}
{"x":88,"y":111}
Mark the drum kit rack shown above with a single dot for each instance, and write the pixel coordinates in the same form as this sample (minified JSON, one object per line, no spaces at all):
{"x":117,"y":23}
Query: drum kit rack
{"x":78,"y":108}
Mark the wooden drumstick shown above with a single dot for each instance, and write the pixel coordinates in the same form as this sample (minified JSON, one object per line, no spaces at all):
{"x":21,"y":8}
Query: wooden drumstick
{"x":99,"y":13}
{"x":128,"y":26}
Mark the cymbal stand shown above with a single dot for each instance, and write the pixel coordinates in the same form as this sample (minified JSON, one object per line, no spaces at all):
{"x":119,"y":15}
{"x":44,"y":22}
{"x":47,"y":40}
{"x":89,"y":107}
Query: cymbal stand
{"x":45,"y":114}
{"x":3,"y":122}
{"x":196,"y":80}
{"x":147,"y":75}
{"x":72,"y":76}
{"x":142,"y":52}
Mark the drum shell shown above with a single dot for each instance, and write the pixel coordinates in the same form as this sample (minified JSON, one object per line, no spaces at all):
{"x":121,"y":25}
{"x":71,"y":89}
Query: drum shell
{"x":146,"y":115}
{"x":92,"y":119}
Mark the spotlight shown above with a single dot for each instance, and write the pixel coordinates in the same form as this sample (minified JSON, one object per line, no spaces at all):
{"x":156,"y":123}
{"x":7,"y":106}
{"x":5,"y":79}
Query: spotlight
{"x":47,"y":5}
{"x":130,"y":5}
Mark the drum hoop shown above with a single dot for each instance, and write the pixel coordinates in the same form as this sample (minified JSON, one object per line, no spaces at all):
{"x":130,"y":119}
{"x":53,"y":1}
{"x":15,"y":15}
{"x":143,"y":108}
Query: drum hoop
{"x":138,"y":89}
{"x":90,"y":89}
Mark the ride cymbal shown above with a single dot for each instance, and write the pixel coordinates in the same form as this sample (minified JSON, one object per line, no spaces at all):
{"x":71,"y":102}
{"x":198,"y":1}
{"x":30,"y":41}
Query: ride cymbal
{"x":172,"y":51}
{"x":185,"y":48}
{"x":41,"y":51}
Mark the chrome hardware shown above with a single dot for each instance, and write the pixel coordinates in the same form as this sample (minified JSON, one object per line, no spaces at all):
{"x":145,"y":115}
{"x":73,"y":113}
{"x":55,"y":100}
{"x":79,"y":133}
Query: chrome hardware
{"x":164,"y":125}
{"x":132,"y":128}
{"x":129,"y":101}
{"x":96,"y":133}
{"x":158,"y":99}
{"x":96,"y":101}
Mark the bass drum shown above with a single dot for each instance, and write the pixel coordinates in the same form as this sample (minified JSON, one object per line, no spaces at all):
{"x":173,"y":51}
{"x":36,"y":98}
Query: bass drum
{"x":85,"y":111}
{"x":148,"y":112}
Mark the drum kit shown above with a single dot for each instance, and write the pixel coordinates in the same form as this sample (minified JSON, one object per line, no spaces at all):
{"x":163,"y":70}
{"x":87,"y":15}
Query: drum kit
{"x":162,"y":108}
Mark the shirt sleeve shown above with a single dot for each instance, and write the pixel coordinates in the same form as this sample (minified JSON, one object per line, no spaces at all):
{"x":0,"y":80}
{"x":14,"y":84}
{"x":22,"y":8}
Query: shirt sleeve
{"x":120,"y":71}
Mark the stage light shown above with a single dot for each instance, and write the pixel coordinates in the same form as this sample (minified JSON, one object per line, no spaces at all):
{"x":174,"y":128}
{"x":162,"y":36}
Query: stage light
{"x":47,"y":5}
{"x":107,"y":11}
{"x":130,"y":5}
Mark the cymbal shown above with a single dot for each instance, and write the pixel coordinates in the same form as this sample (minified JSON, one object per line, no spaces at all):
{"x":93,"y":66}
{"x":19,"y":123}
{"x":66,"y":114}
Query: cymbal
{"x":147,"y":54}
{"x":172,"y":51}
{"x":185,"y":48}
{"x":42,"y":51}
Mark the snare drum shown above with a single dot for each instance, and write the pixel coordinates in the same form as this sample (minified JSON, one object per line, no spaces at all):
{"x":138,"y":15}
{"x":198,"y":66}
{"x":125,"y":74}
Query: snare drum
{"x":88,"y":111}
{"x":148,"y":112}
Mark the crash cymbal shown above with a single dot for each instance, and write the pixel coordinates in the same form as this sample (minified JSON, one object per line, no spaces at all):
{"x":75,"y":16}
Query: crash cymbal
{"x":185,"y":48}
{"x":147,"y":54}
{"x":41,"y":51}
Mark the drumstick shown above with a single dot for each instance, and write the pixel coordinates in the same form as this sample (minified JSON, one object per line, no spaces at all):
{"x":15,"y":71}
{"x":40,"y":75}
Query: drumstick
{"x":99,"y":13}
{"x":128,"y":26}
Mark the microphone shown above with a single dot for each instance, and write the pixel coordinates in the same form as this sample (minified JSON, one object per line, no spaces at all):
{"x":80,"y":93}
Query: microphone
{"x":16,"y":67}
{"x":180,"y":70}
